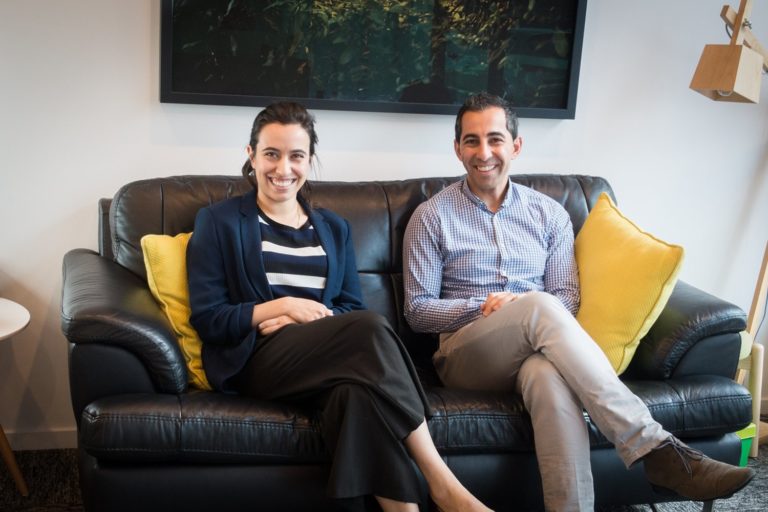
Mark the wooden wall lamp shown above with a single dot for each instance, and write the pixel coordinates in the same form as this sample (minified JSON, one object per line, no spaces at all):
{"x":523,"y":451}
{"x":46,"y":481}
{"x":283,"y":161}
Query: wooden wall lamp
{"x":731,"y":72}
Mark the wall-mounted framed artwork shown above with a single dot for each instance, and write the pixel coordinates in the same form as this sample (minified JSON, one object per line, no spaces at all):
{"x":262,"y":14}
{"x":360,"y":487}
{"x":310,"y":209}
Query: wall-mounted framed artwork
{"x":417,"y":56}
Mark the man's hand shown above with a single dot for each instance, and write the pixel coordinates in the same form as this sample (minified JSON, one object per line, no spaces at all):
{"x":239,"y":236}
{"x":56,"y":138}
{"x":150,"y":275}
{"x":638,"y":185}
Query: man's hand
{"x":495,"y":301}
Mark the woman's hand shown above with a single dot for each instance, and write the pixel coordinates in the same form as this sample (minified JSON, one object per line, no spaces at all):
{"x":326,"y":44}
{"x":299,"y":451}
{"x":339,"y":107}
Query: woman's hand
{"x":280,"y":311}
{"x":494,"y":301}
{"x":296,"y":311}
{"x":304,"y":310}
{"x":273,"y":324}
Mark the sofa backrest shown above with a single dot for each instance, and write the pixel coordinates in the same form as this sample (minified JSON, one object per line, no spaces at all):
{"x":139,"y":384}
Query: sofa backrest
{"x":378,"y":212}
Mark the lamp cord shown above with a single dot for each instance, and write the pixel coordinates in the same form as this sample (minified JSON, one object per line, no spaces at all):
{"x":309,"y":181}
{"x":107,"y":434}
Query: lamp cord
{"x":747,"y":24}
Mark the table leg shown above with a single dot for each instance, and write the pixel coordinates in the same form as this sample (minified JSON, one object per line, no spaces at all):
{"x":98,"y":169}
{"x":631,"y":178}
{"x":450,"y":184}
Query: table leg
{"x":10,"y":461}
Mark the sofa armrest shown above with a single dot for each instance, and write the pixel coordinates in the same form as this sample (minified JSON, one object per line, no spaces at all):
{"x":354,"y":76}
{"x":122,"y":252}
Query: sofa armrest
{"x":104,"y":303}
{"x":697,"y":333}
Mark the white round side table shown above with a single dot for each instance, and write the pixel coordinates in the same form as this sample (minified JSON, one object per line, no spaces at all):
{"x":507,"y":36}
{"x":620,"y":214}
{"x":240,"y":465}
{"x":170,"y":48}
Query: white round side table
{"x":13,"y":318}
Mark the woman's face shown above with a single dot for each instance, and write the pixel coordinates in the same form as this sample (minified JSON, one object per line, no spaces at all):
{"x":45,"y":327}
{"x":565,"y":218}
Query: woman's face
{"x":281,"y":161}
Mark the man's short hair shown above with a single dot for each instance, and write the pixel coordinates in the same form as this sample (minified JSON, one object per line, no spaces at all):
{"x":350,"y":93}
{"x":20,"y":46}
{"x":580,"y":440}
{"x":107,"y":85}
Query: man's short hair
{"x":481,"y":101}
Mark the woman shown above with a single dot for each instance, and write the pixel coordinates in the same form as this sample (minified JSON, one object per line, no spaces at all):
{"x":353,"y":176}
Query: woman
{"x":276,"y":300}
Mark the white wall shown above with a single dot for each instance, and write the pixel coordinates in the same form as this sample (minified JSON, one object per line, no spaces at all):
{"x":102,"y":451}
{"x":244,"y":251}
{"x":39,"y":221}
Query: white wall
{"x":80,"y":116}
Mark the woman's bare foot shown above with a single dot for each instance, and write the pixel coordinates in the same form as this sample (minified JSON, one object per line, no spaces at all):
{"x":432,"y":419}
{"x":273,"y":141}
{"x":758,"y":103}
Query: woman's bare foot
{"x":457,"y":500}
{"x":444,"y":488}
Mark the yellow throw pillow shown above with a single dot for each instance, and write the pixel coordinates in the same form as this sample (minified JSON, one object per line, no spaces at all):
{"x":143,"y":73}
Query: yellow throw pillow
{"x":626,"y":277}
{"x":165,"y":258}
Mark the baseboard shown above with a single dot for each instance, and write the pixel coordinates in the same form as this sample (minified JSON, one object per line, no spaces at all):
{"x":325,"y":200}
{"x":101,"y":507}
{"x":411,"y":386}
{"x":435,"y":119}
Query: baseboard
{"x":47,"y":440}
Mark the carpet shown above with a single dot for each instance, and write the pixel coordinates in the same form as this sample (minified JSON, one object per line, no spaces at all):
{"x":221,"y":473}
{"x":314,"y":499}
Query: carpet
{"x":54,"y":487}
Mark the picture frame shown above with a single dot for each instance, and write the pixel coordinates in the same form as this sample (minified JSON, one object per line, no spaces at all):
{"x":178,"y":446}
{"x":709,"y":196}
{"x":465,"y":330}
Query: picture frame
{"x":401,"y":56}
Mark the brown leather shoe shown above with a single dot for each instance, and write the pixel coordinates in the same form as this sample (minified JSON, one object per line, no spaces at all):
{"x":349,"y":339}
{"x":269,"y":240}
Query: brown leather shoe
{"x":673,"y":467}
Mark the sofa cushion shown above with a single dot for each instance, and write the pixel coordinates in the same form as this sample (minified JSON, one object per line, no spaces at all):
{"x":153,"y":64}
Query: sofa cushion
{"x":204,"y":426}
{"x":198,"y":426}
{"x":164,"y":206}
{"x":364,"y":205}
{"x":626,"y":277}
{"x":165,"y":258}
{"x":377,"y":211}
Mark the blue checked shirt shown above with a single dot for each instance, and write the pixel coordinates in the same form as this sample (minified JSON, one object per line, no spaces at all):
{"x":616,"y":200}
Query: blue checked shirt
{"x":456,"y":252}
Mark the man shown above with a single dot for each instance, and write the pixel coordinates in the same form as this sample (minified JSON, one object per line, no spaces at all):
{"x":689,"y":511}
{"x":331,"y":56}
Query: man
{"x":490,"y":265}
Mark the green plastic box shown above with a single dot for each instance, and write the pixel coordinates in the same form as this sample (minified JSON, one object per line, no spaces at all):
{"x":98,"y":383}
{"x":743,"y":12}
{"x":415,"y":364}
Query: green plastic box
{"x":747,"y":436}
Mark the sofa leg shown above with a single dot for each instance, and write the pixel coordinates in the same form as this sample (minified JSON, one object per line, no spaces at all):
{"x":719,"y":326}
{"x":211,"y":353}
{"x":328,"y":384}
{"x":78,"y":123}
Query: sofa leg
{"x":653,"y":507}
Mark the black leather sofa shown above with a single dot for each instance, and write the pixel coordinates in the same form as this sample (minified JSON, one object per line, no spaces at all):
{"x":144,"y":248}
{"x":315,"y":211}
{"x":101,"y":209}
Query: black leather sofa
{"x":149,"y":442}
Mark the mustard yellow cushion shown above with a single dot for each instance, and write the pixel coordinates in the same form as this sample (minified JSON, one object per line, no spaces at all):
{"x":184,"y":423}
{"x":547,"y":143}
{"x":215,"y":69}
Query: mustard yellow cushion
{"x":165,"y":258}
{"x":626,"y":277}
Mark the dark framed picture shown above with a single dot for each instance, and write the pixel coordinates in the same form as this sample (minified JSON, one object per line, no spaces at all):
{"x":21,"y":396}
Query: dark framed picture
{"x":381,"y":56}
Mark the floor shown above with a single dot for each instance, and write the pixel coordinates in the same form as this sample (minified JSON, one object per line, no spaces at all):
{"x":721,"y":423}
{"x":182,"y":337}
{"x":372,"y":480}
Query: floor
{"x":54,"y":487}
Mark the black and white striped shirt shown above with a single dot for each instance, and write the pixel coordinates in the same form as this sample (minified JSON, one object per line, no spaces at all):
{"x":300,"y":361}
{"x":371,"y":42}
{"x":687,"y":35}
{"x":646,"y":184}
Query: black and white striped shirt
{"x":294,"y":261}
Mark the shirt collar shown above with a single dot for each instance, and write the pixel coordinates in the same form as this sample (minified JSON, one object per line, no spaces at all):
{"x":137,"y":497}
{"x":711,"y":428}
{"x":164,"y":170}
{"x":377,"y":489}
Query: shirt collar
{"x":508,"y":197}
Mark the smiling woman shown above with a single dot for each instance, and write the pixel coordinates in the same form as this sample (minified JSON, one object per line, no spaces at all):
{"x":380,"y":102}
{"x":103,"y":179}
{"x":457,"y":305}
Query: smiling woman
{"x":275,"y":297}
{"x":278,"y":117}
{"x":280,"y":162}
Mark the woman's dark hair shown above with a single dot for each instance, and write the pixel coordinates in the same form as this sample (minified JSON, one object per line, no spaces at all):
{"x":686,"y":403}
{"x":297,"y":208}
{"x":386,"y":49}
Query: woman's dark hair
{"x":283,"y":112}
{"x":482,"y":101}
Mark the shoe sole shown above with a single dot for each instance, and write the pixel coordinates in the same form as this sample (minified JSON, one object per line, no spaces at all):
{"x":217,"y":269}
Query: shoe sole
{"x":664,"y":491}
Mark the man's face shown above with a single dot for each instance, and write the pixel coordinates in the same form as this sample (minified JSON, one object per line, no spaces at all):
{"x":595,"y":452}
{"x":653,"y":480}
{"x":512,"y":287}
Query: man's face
{"x":485,"y":149}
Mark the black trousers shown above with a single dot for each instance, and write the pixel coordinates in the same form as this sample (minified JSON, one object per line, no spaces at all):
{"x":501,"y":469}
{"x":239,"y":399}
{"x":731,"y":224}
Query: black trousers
{"x":355,"y":370}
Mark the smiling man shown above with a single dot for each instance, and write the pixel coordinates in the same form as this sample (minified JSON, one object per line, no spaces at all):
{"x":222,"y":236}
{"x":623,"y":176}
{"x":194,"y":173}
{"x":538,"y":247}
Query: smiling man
{"x":486,"y":145}
{"x":489,"y":265}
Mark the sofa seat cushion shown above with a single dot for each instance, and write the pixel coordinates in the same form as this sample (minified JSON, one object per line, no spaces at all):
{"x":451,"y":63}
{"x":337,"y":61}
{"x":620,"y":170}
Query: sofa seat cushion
{"x":210,"y":427}
{"x":468,"y":422}
{"x":200,"y":426}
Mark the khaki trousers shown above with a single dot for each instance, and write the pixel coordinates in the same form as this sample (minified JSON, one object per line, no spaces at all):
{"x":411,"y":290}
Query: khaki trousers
{"x":535,"y":346}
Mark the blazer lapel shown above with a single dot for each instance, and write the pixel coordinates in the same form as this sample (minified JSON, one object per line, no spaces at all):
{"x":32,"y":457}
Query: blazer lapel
{"x":250,"y":234}
{"x":326,"y":240}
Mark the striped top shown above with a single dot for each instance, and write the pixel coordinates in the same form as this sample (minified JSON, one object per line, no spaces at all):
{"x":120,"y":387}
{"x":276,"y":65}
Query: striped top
{"x":294,"y":260}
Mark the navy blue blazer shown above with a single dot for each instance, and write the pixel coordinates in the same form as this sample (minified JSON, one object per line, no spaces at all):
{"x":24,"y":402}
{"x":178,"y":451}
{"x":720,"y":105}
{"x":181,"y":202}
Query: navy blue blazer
{"x":226,"y":277}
